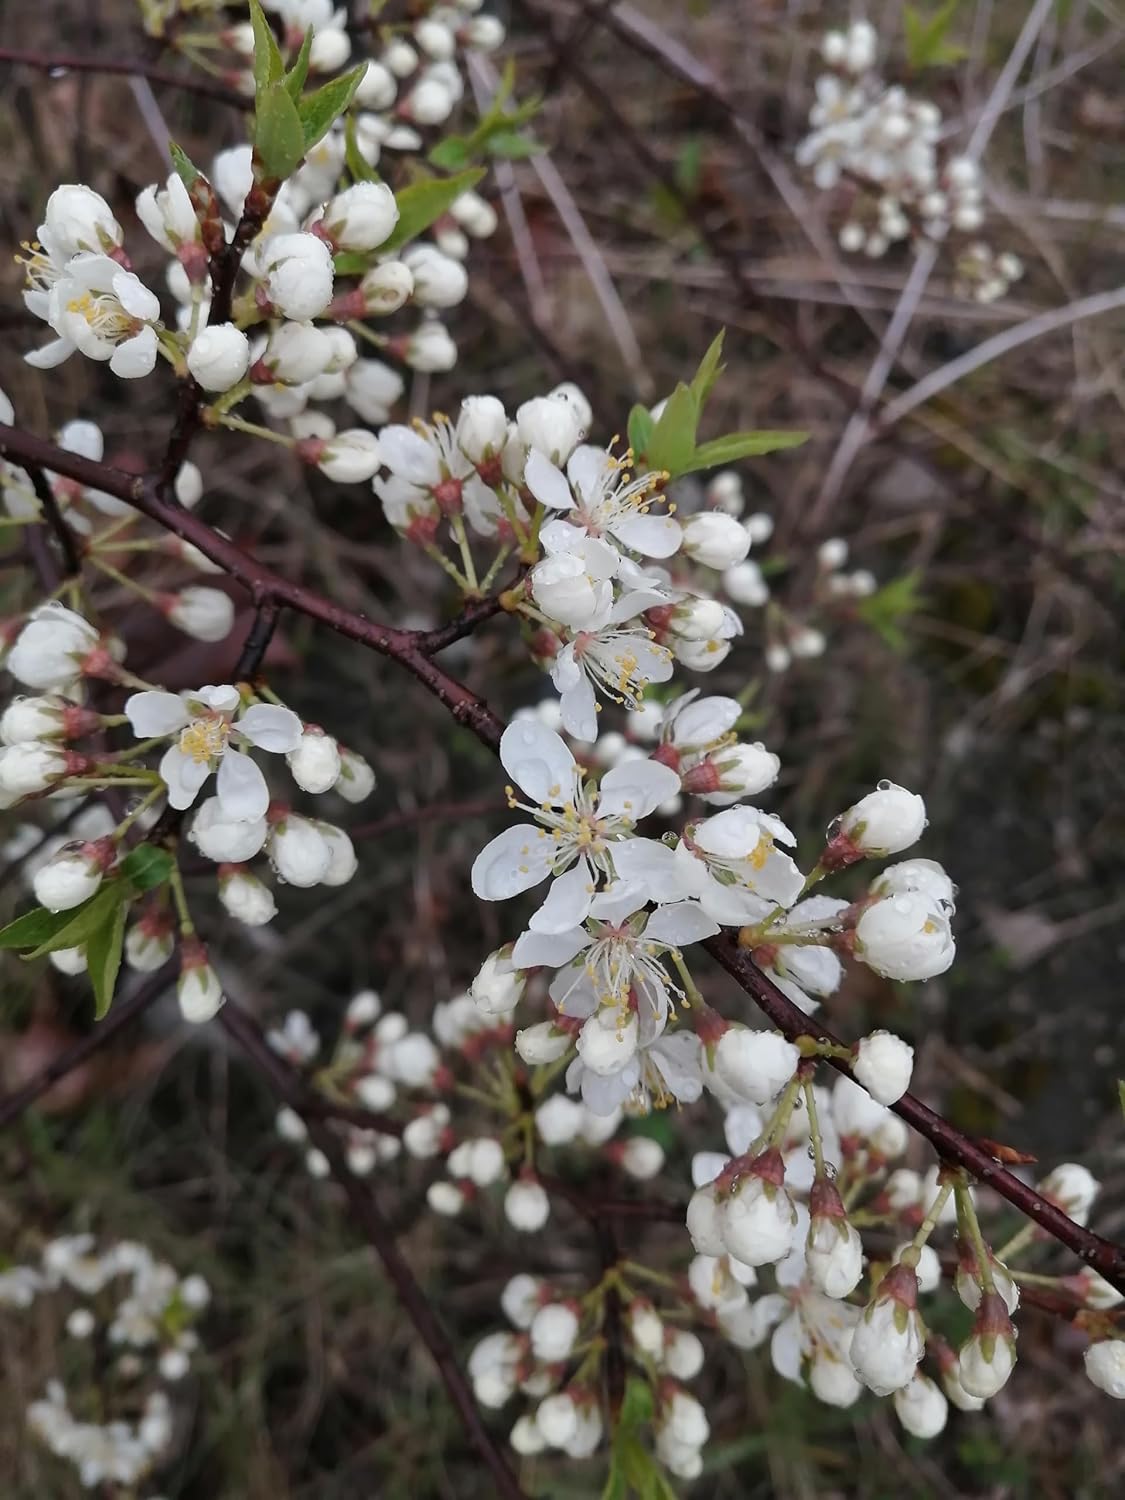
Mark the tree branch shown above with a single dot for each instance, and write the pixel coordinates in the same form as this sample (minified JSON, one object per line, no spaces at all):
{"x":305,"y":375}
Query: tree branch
{"x":949,"y":1142}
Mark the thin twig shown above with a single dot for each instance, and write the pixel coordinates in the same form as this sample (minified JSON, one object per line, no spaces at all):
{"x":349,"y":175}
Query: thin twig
{"x":366,"y":1213}
{"x":129,"y":67}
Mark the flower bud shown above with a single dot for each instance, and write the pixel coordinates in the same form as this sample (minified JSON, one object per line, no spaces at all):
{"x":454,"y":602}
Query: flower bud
{"x":558,"y":1120}
{"x":735,"y":771}
{"x":298,"y":852}
{"x":833,"y":1250}
{"x":439,"y":281}
{"x":693,"y":620}
{"x":316,"y":763}
{"x":482,"y":428}
{"x":31,"y":768}
{"x":207,"y":614}
{"x":921,"y":1407}
{"x":543,"y":1043}
{"x":219,"y":356}
{"x":70,"y":961}
{"x":356,"y":780}
{"x":642,"y":1157}
{"x":198,"y":989}
{"x":1073,"y":1188}
{"x":149,"y":943}
{"x":45,"y":718}
{"x":386,"y":288}
{"x":525,"y":1437}
{"x":1105,"y":1366}
{"x":551,"y":425}
{"x":885,"y":821}
{"x":557,"y":1419}
{"x":362,"y":216}
{"x":905,"y":937}
{"x":832,"y":1380}
{"x":295,"y":354}
{"x":928,"y":1266}
{"x":922,"y":876}
{"x":883,"y":1063}
{"x":889,"y":1338}
{"x":988,"y":1356}
{"x":79,"y":219}
{"x":50,"y":648}
{"x":758,"y":1217}
{"x":605,"y":1045}
{"x":447,"y":1199}
{"x":705,"y":1221}
{"x":498,"y":986}
{"x":526,"y":1205}
{"x":646,"y":1328}
{"x":715,"y":540}
{"x":298,"y":275}
{"x":755,"y":1065}
{"x":222,"y":839}
{"x":745,"y":584}
{"x":967,"y":1280}
{"x":553,"y":1331}
{"x":430,"y":348}
{"x":246,"y":898}
{"x":350,"y":457}
{"x":724,"y":492}
{"x":414,"y":1060}
{"x":73,"y":874}
{"x":832,"y":554}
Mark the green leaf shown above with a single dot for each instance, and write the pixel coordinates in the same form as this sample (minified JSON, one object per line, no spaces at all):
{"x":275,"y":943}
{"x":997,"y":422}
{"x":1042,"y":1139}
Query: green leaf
{"x":673,"y":438}
{"x":185,"y":168}
{"x":295,"y":78}
{"x":510,"y":145}
{"x":352,"y":262}
{"x":689,"y":164}
{"x":278,"y":134}
{"x":33,"y":928}
{"x":103,"y":958}
{"x":703,"y":381}
{"x":640,"y":430}
{"x":423,"y":202}
{"x":82,"y":920}
{"x":451,"y":153}
{"x":926,"y":44}
{"x":268,"y":64}
{"x":359,"y":168}
{"x":1121,"y":1093}
{"x":637,"y":1407}
{"x":735,"y":445}
{"x":146,"y":867}
{"x":887,"y":609}
{"x":320,"y":110}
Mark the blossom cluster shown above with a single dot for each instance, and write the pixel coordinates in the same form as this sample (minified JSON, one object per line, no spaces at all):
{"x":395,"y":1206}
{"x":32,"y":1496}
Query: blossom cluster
{"x":144,"y":1313}
{"x":884,"y":144}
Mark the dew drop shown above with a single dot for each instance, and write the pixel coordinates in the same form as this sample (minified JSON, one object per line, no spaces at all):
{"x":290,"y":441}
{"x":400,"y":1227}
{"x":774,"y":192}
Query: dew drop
{"x":884,"y":785}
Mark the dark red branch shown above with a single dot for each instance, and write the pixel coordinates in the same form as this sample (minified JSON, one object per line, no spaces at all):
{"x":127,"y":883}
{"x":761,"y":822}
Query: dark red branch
{"x":950,"y":1143}
{"x":57,"y":62}
{"x":290,"y":1088}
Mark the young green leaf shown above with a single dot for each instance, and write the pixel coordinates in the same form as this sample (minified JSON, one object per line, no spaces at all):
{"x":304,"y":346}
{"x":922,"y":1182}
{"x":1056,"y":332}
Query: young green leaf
{"x":184,"y":167}
{"x":640,"y":431}
{"x":735,"y":445}
{"x":268,"y":64}
{"x":103,"y":958}
{"x":510,"y":145}
{"x":889,"y":607}
{"x":423,"y":202}
{"x":278,"y":134}
{"x":83,"y":920}
{"x":703,"y":381}
{"x":926,"y":44}
{"x":146,"y":867}
{"x":359,"y":168}
{"x":33,"y":928}
{"x":451,"y":153}
{"x":295,"y":78}
{"x":320,"y":110}
{"x":673,"y":438}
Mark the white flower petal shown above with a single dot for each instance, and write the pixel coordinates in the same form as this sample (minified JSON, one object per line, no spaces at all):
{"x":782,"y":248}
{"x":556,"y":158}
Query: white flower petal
{"x":183,"y":777}
{"x":547,"y":483}
{"x":538,"y":761}
{"x":651,"y":864}
{"x":407,"y":454}
{"x":514,"y":861}
{"x":243,"y":793}
{"x":271,"y":727}
{"x":579,"y":706}
{"x":135,"y":357}
{"x":683,"y":923}
{"x":652,"y":536}
{"x":636,"y":787}
{"x":152,"y":714}
{"x":548,"y":949}
{"x":568,"y":901}
{"x":224,"y":699}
